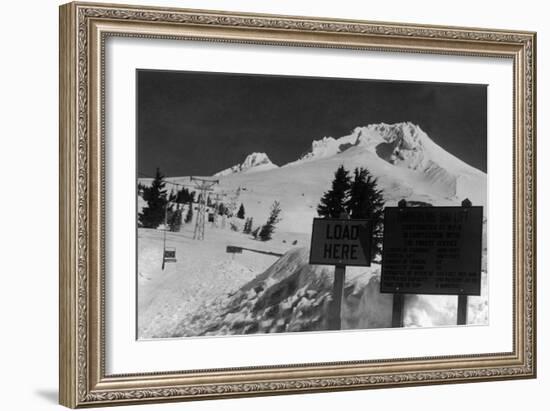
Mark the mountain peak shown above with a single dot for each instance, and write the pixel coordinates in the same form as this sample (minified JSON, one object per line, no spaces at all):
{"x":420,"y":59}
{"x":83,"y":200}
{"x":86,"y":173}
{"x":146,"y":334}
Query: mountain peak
{"x":407,"y":135}
{"x":252,"y":162}
{"x":401,"y":144}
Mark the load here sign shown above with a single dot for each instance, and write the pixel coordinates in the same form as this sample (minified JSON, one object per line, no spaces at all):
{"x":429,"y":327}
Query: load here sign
{"x":340,"y":242}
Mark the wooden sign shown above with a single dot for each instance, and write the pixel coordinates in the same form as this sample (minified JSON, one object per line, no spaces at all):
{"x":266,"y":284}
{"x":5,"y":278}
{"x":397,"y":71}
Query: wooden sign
{"x":234,"y":249}
{"x":432,"y":250}
{"x":340,"y":242}
{"x":170,"y":254}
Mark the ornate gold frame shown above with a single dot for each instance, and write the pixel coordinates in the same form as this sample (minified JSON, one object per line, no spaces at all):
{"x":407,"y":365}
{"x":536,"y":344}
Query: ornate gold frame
{"x":83,"y":30}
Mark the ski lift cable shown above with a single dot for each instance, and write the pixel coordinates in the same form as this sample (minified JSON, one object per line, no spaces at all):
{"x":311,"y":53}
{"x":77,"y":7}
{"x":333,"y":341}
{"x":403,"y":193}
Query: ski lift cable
{"x":167,"y":181}
{"x":183,"y":184}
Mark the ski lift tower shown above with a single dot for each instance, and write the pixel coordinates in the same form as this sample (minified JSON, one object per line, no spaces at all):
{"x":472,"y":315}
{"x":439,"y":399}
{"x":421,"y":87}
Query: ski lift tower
{"x":204,"y":185}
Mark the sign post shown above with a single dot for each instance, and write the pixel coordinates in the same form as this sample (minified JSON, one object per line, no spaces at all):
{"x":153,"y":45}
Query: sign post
{"x":462,"y":310}
{"x":432,"y":250}
{"x":168,"y":253}
{"x":334,"y":316}
{"x":462,"y":304}
{"x":340,"y":242}
{"x":164,"y":236}
{"x":398,"y":309}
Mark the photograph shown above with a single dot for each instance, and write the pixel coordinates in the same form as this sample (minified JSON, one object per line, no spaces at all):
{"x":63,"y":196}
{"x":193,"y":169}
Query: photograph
{"x":281,"y":204}
{"x":337,"y":203}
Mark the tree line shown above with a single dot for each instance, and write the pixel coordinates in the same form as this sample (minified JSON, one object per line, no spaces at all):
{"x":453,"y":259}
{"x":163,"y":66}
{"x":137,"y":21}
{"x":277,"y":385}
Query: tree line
{"x":160,"y":209}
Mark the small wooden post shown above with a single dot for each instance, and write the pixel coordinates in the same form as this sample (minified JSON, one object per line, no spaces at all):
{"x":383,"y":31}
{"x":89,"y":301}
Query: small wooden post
{"x":398,"y":310}
{"x":462,"y":311}
{"x":462,"y":306}
{"x":335,"y":312}
{"x":164,"y":236}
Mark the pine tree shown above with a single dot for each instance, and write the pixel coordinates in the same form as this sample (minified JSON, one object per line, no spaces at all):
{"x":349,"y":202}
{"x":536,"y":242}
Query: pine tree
{"x":248,"y":226}
{"x":184,"y":196}
{"x":240,"y":213}
{"x":175,"y":219}
{"x":172,"y":197}
{"x":189,"y":215}
{"x":366,"y":201}
{"x":180,"y":194}
{"x":141,"y":189}
{"x":268,"y":228}
{"x":231,"y":207}
{"x":256,"y":232}
{"x":152,"y":215}
{"x":333,"y":202}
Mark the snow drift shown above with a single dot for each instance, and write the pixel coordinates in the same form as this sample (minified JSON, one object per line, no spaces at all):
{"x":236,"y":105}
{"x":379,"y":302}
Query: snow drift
{"x":292,"y":296}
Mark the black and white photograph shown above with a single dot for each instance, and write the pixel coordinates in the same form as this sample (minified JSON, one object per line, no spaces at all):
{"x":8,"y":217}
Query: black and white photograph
{"x":281,"y":204}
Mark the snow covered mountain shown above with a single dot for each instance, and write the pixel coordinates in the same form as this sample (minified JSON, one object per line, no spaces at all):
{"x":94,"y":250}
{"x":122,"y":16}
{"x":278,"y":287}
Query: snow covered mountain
{"x":252,"y":162}
{"x":399,"y":144}
{"x":406,"y":162}
{"x":406,"y":146}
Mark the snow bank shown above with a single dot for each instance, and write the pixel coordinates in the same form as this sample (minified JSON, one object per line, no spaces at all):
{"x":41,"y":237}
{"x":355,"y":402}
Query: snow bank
{"x":292,"y":296}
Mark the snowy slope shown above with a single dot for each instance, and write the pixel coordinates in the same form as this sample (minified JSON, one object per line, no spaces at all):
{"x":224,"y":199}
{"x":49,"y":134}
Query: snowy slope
{"x":204,"y":273}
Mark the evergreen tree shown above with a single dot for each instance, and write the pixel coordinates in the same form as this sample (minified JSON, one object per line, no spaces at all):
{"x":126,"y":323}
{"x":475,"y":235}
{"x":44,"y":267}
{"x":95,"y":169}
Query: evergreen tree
{"x":256,"y":232}
{"x":152,"y":215}
{"x":248,"y":226}
{"x":240,"y":213}
{"x":184,"y":196}
{"x":268,"y":228}
{"x":175,"y":219}
{"x":333,"y":202}
{"x":366,"y":201}
{"x":189,"y":215}
{"x":172,"y":197}
{"x":180,"y":194}
{"x":231,"y":207}
{"x":141,"y":189}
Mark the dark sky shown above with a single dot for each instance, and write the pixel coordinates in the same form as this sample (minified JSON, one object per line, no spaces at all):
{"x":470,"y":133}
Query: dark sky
{"x":194,"y":123}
